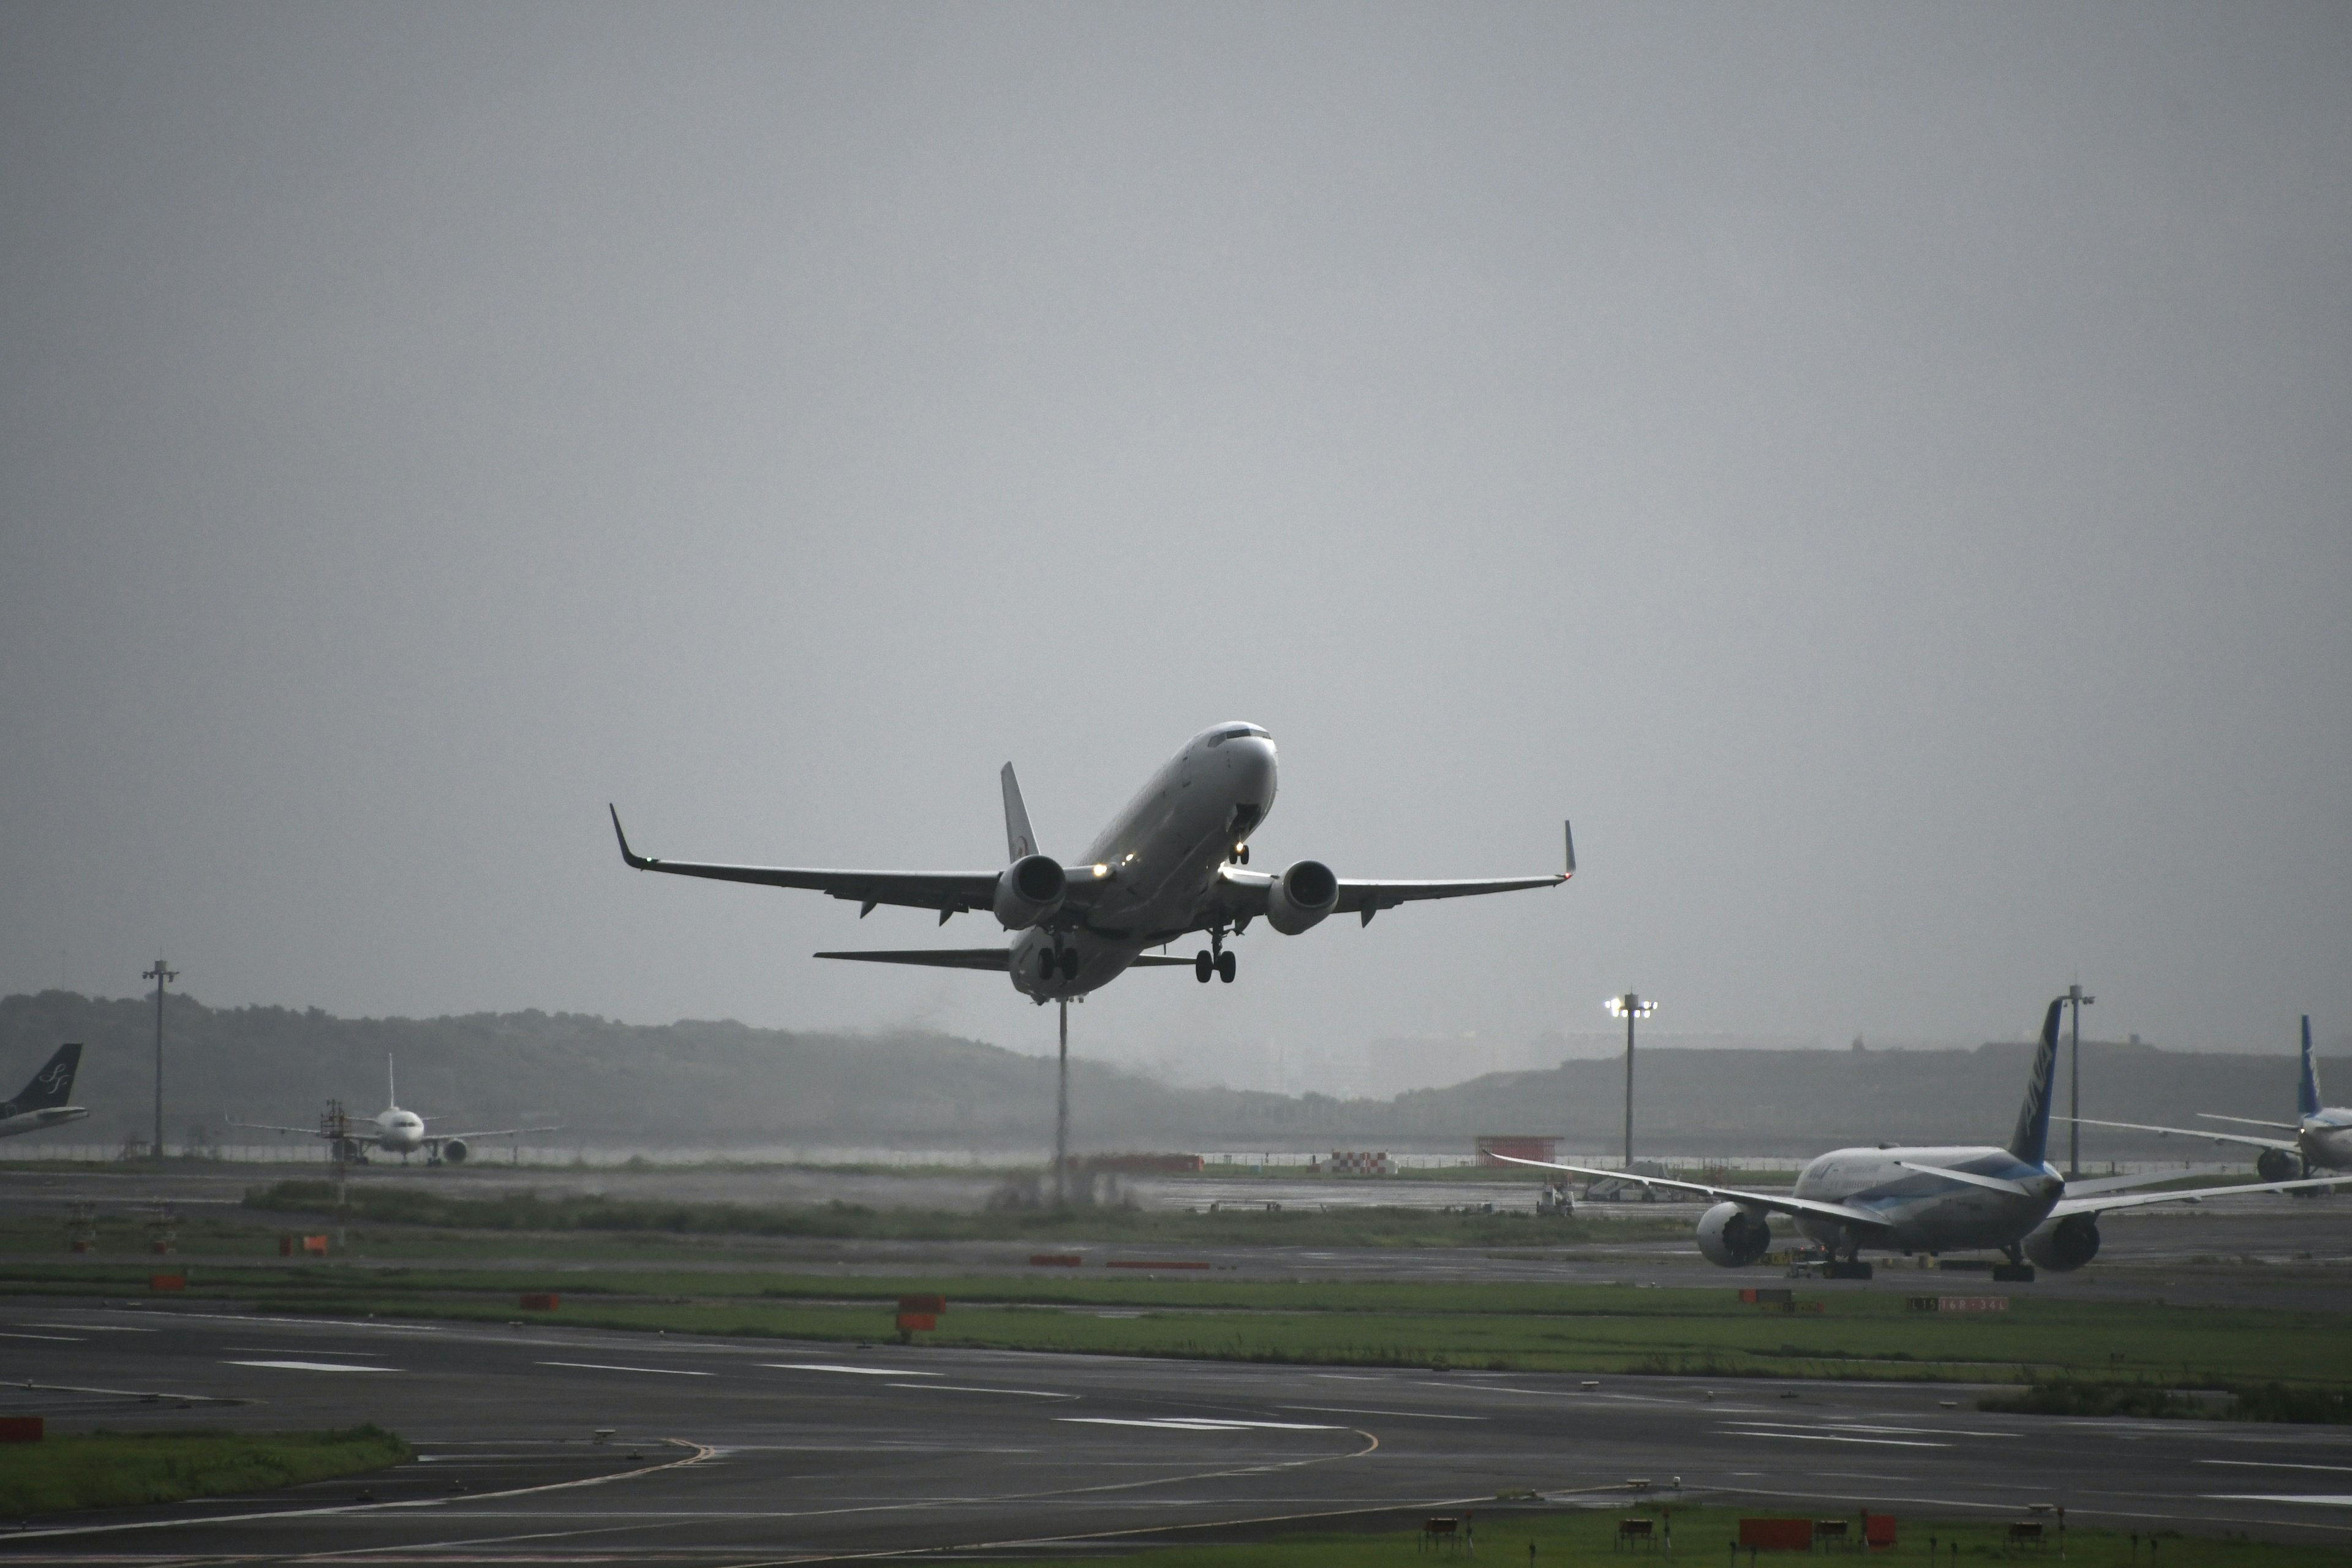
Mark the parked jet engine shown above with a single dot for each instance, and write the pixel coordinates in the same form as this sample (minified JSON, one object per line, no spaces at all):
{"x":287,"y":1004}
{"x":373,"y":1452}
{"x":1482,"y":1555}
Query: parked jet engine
{"x":454,"y":1150}
{"x":2060,"y":1245}
{"x":2278,"y":1165}
{"x":1029,"y":891}
{"x":1300,"y":897}
{"x":1734,"y":1237}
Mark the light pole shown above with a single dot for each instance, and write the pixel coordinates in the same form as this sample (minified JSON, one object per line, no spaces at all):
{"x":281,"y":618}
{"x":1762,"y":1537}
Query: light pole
{"x":162,"y":976}
{"x":1630,"y":1007}
{"x":2074,"y":1093}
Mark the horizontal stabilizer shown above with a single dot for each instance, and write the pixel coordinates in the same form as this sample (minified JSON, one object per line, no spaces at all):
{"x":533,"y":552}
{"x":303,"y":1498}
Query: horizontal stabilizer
{"x":996,"y":958}
{"x":1973,"y":1178}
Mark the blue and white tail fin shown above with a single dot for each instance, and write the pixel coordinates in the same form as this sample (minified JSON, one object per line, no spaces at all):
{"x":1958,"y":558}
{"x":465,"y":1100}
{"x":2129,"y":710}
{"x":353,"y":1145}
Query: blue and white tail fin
{"x":391,"y":1090}
{"x":1019,"y":842}
{"x":2306,"y":1091}
{"x":2031,"y":1141}
{"x":53,"y":1085}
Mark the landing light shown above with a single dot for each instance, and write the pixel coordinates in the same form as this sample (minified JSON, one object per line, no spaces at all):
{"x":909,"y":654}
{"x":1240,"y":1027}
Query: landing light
{"x":1101,"y":870}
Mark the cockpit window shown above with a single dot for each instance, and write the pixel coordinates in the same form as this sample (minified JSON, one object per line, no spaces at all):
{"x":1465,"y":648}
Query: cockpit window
{"x":1234,"y":732}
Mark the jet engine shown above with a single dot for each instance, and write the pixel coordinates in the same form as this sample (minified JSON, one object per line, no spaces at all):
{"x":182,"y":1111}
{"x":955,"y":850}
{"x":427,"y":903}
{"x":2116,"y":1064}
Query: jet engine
{"x":1729,"y":1235}
{"x":2059,"y":1245}
{"x":1029,"y":891}
{"x":454,"y":1150}
{"x":2277,"y":1165}
{"x":1300,"y":897}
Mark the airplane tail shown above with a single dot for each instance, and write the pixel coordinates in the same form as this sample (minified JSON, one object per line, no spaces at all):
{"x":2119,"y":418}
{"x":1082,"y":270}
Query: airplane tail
{"x":53,"y":1085}
{"x":391,"y":1089}
{"x":1018,"y":840}
{"x":2031,"y":1141}
{"x":2306,"y":1092}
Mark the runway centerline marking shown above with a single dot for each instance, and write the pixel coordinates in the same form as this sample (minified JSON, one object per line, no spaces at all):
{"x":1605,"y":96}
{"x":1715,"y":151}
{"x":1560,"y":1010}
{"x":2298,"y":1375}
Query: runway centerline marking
{"x":312,"y":1365}
{"x":970,"y":1388}
{"x":53,"y":1338}
{"x":607,"y":1366}
{"x":1358,"y":1410}
{"x":1831,"y":1437}
{"x":94,"y":1328}
{"x":842,"y":1366}
{"x":2275,"y":1465}
{"x":2317,"y":1500}
{"x":1199,"y":1423}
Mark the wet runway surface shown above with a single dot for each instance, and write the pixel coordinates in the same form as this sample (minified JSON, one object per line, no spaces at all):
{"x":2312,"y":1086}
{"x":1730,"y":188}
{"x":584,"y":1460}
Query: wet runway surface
{"x":732,"y":1452}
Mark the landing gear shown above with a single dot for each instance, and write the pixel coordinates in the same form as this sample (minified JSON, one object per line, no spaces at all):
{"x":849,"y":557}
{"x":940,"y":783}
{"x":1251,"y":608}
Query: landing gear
{"x":1845,"y":1268}
{"x":1069,"y":964}
{"x":1213,"y":959}
{"x":2016,"y":1271}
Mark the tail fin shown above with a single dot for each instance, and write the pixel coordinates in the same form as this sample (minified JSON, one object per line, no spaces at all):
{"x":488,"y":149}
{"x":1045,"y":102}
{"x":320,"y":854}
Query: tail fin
{"x":391,"y":1090}
{"x":1018,"y":840}
{"x":2306,"y":1093}
{"x":53,"y":1085}
{"x":2031,"y":1141}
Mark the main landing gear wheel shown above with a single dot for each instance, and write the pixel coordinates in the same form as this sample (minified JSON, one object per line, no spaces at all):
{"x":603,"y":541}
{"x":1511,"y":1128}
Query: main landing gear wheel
{"x":1201,"y":964}
{"x":1069,"y":964}
{"x":1225,"y":967}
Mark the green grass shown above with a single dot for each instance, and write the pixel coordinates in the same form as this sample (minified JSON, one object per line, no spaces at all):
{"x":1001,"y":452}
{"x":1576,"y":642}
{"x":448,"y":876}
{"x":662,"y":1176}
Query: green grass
{"x":124,"y":1469}
{"x":1584,"y":1539}
{"x":1500,"y":1326}
{"x":2248,"y":1402}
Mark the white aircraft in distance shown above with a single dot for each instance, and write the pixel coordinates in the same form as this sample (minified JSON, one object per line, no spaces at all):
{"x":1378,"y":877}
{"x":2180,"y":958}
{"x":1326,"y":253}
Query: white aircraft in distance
{"x":2322,"y":1134}
{"x":392,"y":1131}
{"x":1171,"y":863}
{"x":42,"y":1102}
{"x":1932,"y":1200}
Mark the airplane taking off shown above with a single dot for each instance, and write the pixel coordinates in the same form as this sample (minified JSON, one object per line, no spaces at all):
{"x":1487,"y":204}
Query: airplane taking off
{"x":1170,"y":864}
{"x":42,"y":1103}
{"x":392,"y":1131}
{"x":2322,"y":1133}
{"x":1932,"y":1200}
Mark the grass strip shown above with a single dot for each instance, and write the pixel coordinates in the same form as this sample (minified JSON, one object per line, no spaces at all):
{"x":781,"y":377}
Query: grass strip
{"x":1512,"y":1534}
{"x":125,"y":1470}
{"x":2247,"y":1402}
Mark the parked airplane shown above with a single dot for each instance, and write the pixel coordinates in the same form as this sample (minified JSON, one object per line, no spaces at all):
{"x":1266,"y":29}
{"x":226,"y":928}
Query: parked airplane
{"x":392,"y":1131}
{"x":42,"y":1102}
{"x":2322,"y":1134}
{"x":1931,"y":1200}
{"x":1171,"y":863}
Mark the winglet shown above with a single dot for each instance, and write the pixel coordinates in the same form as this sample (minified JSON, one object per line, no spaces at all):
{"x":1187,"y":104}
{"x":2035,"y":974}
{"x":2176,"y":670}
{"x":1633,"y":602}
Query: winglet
{"x":1019,"y":842}
{"x":2306,"y":1088}
{"x":1568,"y":830}
{"x":637,"y":861}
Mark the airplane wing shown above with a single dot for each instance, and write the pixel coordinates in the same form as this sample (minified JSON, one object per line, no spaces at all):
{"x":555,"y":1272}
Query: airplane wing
{"x":357,"y":1134}
{"x":2205,"y":1132}
{"x":493,"y":1133}
{"x":1775,"y":1202}
{"x":2250,"y":1121}
{"x":996,"y":958}
{"x":950,"y":892}
{"x":1365,"y":899}
{"x":2193,"y":1195}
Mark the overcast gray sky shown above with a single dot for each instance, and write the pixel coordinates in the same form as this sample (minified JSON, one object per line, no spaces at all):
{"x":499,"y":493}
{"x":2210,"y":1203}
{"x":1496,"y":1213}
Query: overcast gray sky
{"x":1882,"y":471}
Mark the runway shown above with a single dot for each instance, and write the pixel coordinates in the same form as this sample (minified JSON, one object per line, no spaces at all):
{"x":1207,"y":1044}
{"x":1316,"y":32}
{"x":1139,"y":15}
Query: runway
{"x":725,"y":1452}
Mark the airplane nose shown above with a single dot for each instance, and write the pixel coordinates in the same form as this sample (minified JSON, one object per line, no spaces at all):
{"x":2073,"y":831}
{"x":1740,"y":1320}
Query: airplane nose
{"x":1255,"y":769}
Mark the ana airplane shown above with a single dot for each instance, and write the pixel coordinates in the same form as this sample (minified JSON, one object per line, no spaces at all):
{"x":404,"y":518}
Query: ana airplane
{"x":2322,"y":1134}
{"x":392,"y":1131}
{"x":1172,"y":863}
{"x":1932,"y":1200}
{"x":42,"y":1102}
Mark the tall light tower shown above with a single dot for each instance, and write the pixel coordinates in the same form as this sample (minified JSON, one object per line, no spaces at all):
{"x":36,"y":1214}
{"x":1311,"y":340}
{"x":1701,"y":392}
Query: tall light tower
{"x":162,"y":976}
{"x":1629,"y":1008}
{"x":2074,"y":1094}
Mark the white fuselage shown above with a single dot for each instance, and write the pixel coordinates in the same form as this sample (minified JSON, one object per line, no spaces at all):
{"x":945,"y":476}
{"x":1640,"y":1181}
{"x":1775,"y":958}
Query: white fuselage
{"x":399,"y":1131}
{"x":13,"y":1121}
{"x":2324,"y":1139}
{"x":1158,"y":861}
{"x":1925,"y":1212}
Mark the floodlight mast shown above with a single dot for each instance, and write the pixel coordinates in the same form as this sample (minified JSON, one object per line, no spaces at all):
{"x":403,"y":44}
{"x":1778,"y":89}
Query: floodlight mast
{"x":162,"y":976}
{"x":1630,"y":1007}
{"x":2074,"y":1094}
